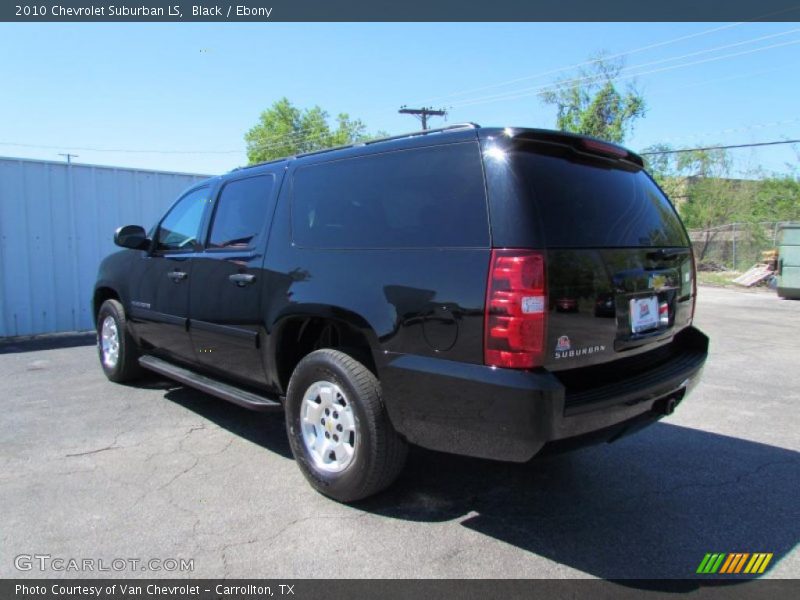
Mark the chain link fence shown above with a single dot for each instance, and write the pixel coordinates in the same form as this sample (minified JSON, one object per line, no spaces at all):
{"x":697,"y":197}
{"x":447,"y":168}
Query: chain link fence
{"x":735,"y":246}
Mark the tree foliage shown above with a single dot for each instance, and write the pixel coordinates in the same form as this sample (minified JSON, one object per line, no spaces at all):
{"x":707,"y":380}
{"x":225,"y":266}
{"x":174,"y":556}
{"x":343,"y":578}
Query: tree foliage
{"x":703,"y":185}
{"x":594,"y":104}
{"x":699,"y":182}
{"x":777,"y":199}
{"x":709,"y":196}
{"x":285,"y":130}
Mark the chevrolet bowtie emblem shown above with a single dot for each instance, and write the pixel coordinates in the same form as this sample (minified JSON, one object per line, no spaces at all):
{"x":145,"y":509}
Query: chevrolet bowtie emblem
{"x":657,"y":282}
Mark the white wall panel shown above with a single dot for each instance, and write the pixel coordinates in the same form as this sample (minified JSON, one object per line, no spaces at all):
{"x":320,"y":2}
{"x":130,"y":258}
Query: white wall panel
{"x":56,"y":225}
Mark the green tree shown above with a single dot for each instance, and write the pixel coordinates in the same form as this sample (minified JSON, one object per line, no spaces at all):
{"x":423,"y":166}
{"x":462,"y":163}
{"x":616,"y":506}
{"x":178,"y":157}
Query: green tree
{"x":593,"y":104}
{"x":713,"y":197}
{"x":661,"y":163}
{"x":709,"y":198}
{"x":285,"y":130}
{"x":699,"y":182}
{"x":777,"y":197}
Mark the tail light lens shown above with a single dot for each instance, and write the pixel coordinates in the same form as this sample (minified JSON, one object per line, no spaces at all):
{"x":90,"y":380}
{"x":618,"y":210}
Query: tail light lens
{"x":516,"y":310}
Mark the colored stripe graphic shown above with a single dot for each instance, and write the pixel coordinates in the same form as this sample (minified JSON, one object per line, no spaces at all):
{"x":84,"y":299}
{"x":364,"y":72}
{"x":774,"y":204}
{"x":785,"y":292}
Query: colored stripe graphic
{"x":741,"y":562}
{"x":734,"y":562}
{"x":758,"y":563}
{"x":728,"y":562}
{"x":711,"y":563}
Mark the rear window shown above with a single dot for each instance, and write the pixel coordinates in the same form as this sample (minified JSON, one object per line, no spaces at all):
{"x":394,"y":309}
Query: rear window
{"x":583,"y":203}
{"x":424,"y":197}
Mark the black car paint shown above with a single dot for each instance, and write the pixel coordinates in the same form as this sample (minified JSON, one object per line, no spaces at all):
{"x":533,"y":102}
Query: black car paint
{"x":420,"y":310}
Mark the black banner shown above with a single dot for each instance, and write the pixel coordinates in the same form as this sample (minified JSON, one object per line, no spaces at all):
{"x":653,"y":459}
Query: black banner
{"x":348,"y":589}
{"x":408,"y":10}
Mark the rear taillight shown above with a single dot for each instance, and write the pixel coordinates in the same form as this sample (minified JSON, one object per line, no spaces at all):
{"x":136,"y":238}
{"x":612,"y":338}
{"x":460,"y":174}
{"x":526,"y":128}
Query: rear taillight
{"x":516,"y":310}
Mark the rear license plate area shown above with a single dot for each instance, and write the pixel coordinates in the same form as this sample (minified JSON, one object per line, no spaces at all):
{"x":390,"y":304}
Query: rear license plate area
{"x":644,"y":314}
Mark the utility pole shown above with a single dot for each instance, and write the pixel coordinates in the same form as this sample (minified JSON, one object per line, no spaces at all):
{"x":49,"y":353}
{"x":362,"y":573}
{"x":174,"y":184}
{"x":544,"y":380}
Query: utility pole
{"x":422,"y":113}
{"x":68,"y":156}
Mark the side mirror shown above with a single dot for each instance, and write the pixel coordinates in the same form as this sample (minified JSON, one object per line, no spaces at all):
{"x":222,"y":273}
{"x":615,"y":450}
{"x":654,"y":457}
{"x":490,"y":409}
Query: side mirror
{"x":131,"y":236}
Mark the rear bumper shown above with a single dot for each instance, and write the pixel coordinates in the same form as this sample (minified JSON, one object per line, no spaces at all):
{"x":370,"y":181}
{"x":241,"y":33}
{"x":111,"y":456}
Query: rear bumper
{"x":511,"y":415}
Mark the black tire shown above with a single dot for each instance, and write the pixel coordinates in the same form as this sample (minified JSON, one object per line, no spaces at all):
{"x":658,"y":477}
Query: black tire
{"x":127,"y":367}
{"x":379,"y":454}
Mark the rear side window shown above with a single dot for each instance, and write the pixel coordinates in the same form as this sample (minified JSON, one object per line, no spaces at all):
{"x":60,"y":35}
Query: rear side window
{"x":424,"y":197}
{"x":588,"y":204}
{"x":242,"y":210}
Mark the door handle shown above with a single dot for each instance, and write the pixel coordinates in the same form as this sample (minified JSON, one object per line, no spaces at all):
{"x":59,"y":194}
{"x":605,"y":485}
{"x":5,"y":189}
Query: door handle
{"x":176,"y":276}
{"x":242,"y":279}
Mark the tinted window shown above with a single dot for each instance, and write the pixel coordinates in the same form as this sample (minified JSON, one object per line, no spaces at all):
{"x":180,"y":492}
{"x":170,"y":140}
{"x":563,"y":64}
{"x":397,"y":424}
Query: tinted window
{"x":181,"y":227}
{"x":242,"y":210}
{"x":590,"y":204}
{"x":409,"y":198}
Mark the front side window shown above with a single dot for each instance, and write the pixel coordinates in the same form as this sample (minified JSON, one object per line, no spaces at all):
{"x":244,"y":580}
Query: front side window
{"x":242,"y":210}
{"x":180,"y":229}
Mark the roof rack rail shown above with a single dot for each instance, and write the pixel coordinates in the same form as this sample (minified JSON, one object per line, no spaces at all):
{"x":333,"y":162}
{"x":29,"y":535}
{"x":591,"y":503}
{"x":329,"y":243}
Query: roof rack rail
{"x":366,"y":143}
{"x":259,"y":164}
{"x":399,"y":136}
{"x":423,"y":132}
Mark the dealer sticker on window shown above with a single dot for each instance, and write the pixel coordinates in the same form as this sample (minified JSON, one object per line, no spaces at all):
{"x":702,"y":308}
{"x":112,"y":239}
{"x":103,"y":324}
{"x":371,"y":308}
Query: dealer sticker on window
{"x":644,"y":314}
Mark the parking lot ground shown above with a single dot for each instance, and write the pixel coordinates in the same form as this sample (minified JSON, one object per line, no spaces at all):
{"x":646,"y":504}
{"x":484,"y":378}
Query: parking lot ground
{"x":90,"y":469}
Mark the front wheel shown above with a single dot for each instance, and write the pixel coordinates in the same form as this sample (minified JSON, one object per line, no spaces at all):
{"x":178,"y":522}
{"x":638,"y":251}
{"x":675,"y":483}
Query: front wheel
{"x":119,"y":355}
{"x":340,"y":434}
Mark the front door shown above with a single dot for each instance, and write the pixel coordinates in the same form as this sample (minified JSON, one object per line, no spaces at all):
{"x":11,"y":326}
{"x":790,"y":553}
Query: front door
{"x":225,"y":287}
{"x":160,"y":289}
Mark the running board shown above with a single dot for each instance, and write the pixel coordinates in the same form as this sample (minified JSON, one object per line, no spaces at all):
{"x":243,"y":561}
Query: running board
{"x":210,"y":386}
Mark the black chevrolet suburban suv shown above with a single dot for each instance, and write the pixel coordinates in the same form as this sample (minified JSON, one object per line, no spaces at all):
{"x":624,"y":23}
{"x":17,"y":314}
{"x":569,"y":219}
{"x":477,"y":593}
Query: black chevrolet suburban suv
{"x":481,"y":291}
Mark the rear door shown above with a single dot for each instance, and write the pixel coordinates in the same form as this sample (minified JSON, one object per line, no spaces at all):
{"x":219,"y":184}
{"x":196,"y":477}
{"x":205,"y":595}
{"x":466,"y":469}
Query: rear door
{"x":618,"y":261}
{"x":160,"y":284}
{"x":226,"y":317}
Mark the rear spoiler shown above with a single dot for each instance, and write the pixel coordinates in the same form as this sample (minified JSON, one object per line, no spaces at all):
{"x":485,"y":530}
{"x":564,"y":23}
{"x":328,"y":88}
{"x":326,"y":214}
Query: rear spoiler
{"x":579,"y":143}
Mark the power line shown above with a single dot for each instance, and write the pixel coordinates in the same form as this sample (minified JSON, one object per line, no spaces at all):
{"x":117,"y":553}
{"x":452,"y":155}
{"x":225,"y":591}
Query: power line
{"x":707,"y":134}
{"x":722,"y":147}
{"x":763,"y":17}
{"x":727,"y":147}
{"x":586,"y":63}
{"x":121,"y":150}
{"x":677,"y":88}
{"x":301,"y":137}
{"x":274,"y":142}
{"x":592,"y":78}
{"x":536,"y":90}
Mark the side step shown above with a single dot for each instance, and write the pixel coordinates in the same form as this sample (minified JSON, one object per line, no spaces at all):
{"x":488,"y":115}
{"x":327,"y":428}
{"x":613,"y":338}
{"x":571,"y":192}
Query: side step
{"x":209,"y":385}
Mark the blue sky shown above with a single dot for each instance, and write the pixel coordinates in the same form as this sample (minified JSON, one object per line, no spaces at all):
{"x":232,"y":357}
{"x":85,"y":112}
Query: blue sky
{"x":199,"y":87}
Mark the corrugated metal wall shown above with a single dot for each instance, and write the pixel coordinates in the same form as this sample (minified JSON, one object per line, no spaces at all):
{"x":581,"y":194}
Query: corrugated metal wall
{"x":56,"y":224}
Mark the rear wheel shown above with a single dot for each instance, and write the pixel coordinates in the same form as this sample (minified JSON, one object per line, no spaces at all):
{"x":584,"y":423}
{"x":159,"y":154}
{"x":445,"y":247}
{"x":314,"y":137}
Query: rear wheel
{"x":119,"y":355}
{"x":338,"y":428}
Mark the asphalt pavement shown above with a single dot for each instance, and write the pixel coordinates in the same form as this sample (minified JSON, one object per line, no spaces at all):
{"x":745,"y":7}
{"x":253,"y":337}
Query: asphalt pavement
{"x":94,"y":470}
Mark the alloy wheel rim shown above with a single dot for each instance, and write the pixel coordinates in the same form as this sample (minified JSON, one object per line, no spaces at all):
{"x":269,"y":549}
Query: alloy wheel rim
{"x":109,"y":342}
{"x":328,"y":426}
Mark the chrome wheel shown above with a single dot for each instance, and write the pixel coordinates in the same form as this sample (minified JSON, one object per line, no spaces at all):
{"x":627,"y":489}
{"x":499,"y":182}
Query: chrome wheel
{"x":328,"y":426}
{"x":109,"y":342}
